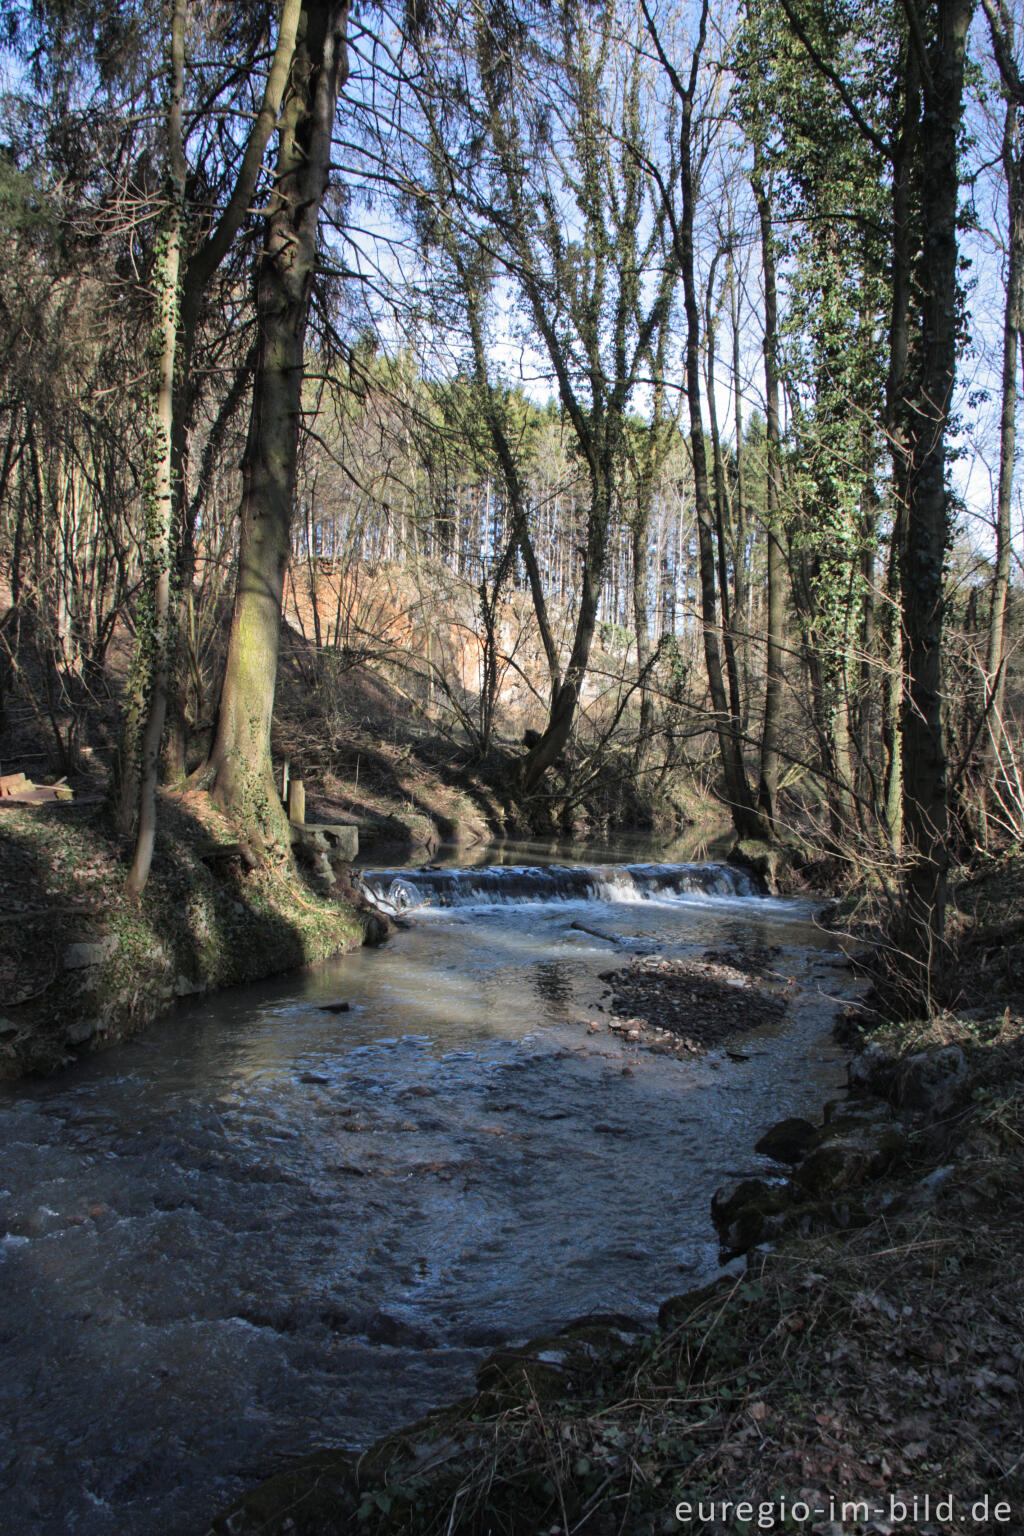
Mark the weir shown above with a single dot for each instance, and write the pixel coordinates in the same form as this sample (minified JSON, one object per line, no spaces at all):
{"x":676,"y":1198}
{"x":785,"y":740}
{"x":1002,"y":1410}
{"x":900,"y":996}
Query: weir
{"x":303,"y":1213}
{"x":403,"y":890}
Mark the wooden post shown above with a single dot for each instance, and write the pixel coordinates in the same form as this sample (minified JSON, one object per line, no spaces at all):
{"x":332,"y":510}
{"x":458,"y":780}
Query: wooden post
{"x":297,"y":802}
{"x":285,"y":776}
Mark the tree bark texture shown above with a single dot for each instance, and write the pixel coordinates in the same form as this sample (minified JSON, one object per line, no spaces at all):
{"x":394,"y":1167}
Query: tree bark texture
{"x":931,"y":370}
{"x":198,"y":270}
{"x":154,"y":631}
{"x":768,"y":777}
{"x":285,"y":271}
{"x":745,"y":816}
{"x":1013,"y":164}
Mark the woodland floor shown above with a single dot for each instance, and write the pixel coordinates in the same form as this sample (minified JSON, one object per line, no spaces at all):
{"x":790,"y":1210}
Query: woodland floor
{"x":869,"y":1367}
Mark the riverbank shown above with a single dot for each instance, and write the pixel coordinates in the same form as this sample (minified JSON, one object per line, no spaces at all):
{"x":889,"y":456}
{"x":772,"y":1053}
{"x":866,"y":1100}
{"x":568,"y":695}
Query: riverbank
{"x":871,"y":1358}
{"x":84,"y":966}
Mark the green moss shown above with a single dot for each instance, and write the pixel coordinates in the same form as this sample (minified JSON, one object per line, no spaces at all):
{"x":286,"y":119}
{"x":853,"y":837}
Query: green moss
{"x":193,"y":930}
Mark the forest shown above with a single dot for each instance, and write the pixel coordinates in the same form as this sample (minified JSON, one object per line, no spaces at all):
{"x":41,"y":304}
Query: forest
{"x":630,"y":389}
{"x":535,"y":482}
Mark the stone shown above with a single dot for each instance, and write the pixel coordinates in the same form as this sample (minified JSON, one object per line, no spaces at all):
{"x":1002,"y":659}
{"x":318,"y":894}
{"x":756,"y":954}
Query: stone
{"x":376,"y":927}
{"x":82,"y":1030}
{"x":935,"y":1082}
{"x":864,"y":1111}
{"x":339,"y":839}
{"x":7,"y":1028}
{"x":870,"y":1070}
{"x":760,"y":860}
{"x":788,"y":1141}
{"x":78,"y":956}
{"x":748,"y":1212}
{"x":393,"y":1331}
{"x":927,"y":1191}
{"x":848,"y":1154}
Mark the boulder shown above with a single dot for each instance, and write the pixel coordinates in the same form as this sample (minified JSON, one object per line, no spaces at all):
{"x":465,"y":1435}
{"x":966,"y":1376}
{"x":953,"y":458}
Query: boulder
{"x":760,"y":860}
{"x":788,"y":1141}
{"x":78,"y":956}
{"x":81,"y":1030}
{"x":847,"y":1154}
{"x":868,"y":1110}
{"x":934,"y":1083}
{"x":749,"y":1212}
{"x":870,"y":1071}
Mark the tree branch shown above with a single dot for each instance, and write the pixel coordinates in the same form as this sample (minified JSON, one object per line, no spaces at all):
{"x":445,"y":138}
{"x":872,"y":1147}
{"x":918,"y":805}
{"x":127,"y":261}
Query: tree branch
{"x":872,"y":135}
{"x":1000,"y":24}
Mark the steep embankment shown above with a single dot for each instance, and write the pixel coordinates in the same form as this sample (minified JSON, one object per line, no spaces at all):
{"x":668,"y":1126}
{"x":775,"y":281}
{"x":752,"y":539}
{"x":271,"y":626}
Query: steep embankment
{"x":83,"y":965}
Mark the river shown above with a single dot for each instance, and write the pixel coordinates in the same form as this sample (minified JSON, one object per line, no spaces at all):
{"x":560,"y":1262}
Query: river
{"x":300,"y":1214}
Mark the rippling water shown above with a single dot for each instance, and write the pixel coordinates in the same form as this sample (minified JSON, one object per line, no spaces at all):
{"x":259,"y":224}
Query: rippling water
{"x":277,"y":1222}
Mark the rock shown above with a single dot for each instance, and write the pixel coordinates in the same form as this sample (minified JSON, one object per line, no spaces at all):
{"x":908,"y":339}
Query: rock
{"x":377,"y":928}
{"x":542,"y":1371}
{"x":760,"y":860}
{"x":848,"y":1154}
{"x":935,"y":1082}
{"x":383,"y":1329}
{"x":339,"y":839}
{"x":816,"y":1216}
{"x":184,"y":986}
{"x":7,"y":1028}
{"x":335,"y":1007}
{"x":788,"y":1141}
{"x":676,"y":1310}
{"x":746,"y":1213}
{"x":864,"y":1111}
{"x":82,"y":1030}
{"x":870,"y":1071}
{"x":926,"y":1192}
{"x":78,"y":956}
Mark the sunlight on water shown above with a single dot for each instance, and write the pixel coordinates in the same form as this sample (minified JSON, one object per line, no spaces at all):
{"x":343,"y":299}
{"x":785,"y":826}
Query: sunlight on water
{"x":299,"y":1213}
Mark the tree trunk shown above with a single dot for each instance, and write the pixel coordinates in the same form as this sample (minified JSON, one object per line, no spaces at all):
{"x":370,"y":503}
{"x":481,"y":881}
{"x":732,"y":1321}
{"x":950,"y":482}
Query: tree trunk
{"x":926,"y":532}
{"x":1013,"y":162}
{"x":556,"y":735}
{"x":176,"y":733}
{"x":740,"y":564}
{"x":768,"y":777}
{"x":640,"y":539}
{"x":154,"y":630}
{"x":746,"y":819}
{"x":243,"y":776}
{"x":737,"y":702}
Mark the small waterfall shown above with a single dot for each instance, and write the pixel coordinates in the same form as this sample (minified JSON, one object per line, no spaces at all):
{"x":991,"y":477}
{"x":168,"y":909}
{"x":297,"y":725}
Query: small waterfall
{"x":402,"y":890}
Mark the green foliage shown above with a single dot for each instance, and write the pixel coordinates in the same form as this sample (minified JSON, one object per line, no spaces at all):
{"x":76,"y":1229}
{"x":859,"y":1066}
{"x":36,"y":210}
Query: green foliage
{"x":23,"y":208}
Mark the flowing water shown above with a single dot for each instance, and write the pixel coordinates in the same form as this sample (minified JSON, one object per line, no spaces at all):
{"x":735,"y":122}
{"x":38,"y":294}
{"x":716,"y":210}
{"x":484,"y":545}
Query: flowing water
{"x":300,"y":1214}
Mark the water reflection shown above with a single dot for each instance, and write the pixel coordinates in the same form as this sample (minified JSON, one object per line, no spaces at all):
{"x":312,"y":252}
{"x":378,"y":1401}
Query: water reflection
{"x":553,"y":986}
{"x":506,"y":851}
{"x":268,"y":1224}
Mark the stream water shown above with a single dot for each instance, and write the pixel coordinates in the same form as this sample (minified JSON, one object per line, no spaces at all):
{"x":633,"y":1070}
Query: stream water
{"x":277,"y":1221}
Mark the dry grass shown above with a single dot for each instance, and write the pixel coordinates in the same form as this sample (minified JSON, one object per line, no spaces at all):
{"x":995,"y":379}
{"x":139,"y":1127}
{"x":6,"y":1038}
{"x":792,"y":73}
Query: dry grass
{"x":880,"y":1364}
